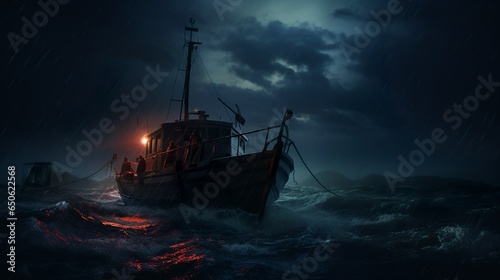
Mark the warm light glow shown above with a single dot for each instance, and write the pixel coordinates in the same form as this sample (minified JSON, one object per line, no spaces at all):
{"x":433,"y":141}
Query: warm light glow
{"x":144,"y":140}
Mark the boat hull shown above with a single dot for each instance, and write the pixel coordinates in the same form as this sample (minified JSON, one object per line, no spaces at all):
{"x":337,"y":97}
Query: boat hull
{"x":246,"y":182}
{"x":154,"y":189}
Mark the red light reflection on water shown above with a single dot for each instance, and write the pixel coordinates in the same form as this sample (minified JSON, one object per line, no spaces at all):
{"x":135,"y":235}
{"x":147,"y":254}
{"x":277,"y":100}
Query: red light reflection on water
{"x":183,"y":253}
{"x":129,"y":222}
{"x":180,"y":254}
{"x":83,"y":216}
{"x":122,"y":223}
{"x":55,"y":233}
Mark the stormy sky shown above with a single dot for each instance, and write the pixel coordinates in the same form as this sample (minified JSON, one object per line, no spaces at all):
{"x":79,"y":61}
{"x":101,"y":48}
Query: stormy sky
{"x":365,"y":79}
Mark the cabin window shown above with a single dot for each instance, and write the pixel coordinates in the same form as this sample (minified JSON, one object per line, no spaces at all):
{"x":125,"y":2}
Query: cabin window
{"x":158,"y":143}
{"x":242,"y":144}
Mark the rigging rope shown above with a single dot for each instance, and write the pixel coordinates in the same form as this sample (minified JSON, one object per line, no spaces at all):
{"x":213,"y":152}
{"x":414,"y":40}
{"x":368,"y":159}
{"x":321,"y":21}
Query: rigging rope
{"x":310,"y":172}
{"x":211,"y":81}
{"x":86,"y":177}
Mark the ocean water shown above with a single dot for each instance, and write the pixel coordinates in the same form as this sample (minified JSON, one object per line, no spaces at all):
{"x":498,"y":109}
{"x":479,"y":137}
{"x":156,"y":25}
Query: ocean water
{"x":428,"y":232}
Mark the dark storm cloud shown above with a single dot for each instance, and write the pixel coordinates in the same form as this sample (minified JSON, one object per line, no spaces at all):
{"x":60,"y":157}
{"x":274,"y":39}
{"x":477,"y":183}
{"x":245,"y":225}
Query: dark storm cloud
{"x":346,"y":13}
{"x":430,"y":64}
{"x":275,"y":49}
{"x":257,"y":48}
{"x":426,"y":59}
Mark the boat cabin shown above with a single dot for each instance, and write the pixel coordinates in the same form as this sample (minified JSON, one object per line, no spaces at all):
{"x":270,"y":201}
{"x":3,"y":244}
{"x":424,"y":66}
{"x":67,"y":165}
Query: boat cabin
{"x":192,"y":141}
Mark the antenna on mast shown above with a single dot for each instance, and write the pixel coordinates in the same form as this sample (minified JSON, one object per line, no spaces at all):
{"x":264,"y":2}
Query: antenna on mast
{"x":191,"y":46}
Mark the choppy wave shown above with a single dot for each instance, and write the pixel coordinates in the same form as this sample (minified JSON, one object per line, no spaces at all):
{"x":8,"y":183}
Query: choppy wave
{"x":436,"y":233}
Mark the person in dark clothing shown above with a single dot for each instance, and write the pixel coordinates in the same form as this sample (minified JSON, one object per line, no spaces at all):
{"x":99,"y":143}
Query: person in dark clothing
{"x":194,"y":142}
{"x":127,"y":170}
{"x":141,"y":166}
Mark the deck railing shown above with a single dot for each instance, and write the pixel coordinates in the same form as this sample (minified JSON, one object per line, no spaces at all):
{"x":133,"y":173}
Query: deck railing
{"x":212,"y":144}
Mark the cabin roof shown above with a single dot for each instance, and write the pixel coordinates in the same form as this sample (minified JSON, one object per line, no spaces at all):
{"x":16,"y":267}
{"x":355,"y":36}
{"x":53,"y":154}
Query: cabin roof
{"x":193,"y":123}
{"x":198,"y":122}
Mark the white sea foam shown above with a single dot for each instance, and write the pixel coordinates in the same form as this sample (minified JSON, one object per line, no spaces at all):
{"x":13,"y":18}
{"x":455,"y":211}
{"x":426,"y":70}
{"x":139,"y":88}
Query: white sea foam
{"x":451,"y":237}
{"x":384,"y":218}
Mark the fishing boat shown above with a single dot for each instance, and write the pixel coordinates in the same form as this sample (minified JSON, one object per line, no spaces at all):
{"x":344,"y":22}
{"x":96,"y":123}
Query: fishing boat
{"x":198,"y":163}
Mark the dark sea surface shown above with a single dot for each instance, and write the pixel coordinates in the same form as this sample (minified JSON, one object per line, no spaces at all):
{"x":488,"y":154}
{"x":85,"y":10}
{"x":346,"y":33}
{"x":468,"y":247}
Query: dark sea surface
{"x":426,"y":232}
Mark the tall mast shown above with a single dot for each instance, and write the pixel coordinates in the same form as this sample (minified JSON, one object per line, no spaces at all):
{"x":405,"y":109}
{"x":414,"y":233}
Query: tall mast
{"x":191,"y":46}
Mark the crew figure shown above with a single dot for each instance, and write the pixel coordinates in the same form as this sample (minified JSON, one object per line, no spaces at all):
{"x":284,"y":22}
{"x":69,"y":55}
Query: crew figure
{"x":127,"y":170}
{"x":141,"y":168}
{"x":194,"y":151}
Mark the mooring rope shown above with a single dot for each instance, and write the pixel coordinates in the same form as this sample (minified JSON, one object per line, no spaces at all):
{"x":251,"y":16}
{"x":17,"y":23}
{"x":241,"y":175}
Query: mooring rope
{"x":310,"y":172}
{"x":86,"y":177}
